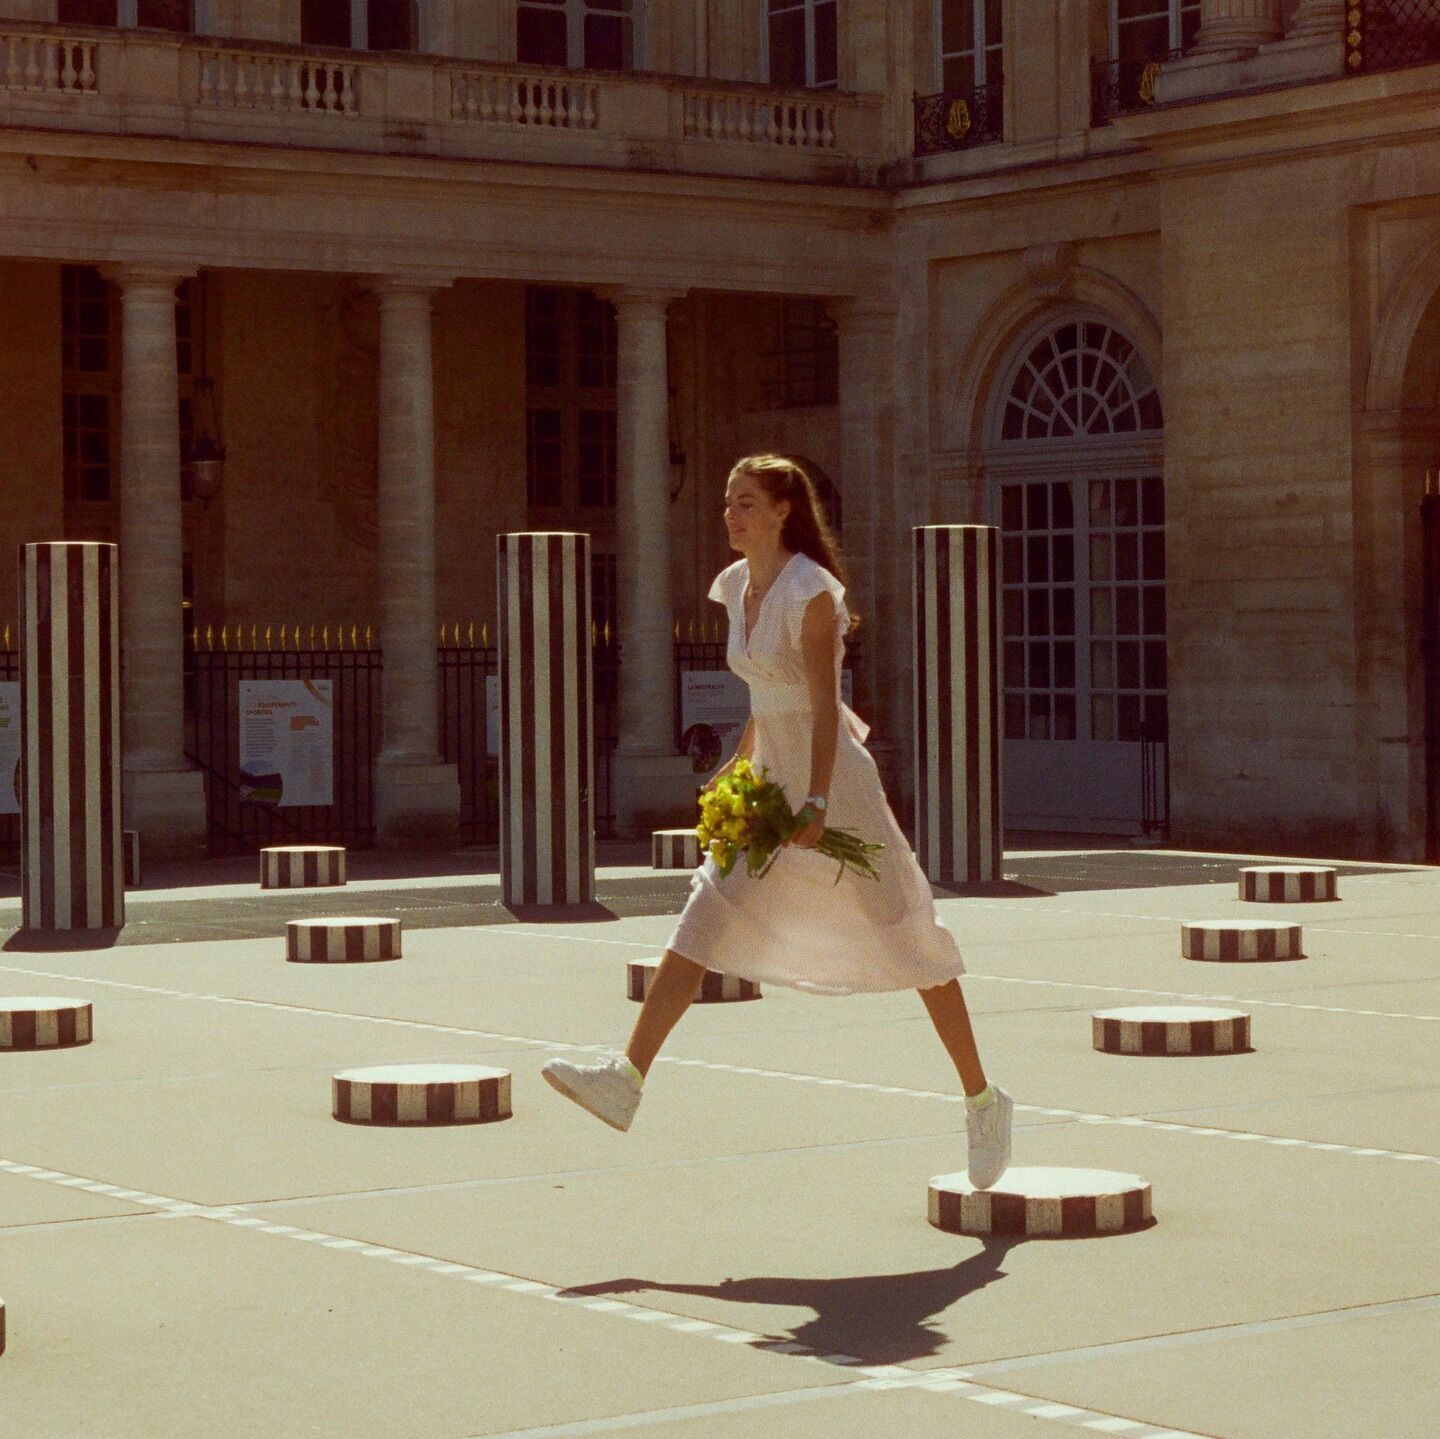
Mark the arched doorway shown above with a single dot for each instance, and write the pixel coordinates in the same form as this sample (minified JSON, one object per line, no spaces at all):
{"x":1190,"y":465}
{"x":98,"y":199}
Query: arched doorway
{"x":1074,"y":479}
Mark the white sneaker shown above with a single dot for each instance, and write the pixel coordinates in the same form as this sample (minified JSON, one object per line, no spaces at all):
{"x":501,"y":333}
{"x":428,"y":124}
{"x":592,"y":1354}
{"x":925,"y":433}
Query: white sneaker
{"x":988,"y":1131}
{"x":606,"y":1089}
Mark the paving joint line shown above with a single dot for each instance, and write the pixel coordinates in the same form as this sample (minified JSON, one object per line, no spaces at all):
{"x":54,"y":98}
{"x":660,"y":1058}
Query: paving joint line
{"x":952,"y":1381}
{"x":1081,"y":1116}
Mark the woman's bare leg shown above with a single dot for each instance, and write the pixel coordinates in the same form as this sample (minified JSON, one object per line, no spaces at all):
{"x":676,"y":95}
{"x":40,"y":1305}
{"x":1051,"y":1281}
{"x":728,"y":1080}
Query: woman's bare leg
{"x":952,"y":1023}
{"x":671,"y":992}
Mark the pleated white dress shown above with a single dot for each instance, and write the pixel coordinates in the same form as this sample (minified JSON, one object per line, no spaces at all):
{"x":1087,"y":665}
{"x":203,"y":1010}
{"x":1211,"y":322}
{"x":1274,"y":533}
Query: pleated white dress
{"x":796,"y":926}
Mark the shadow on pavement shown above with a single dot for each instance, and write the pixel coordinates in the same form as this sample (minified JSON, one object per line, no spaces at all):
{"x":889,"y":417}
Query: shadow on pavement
{"x":994,"y":889}
{"x":882,"y":1318}
{"x":560,"y":913}
{"x":56,"y":941}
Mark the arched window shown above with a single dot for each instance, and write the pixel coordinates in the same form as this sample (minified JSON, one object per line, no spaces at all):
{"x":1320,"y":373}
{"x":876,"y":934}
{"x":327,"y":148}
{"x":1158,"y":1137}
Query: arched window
{"x":1076,"y":485}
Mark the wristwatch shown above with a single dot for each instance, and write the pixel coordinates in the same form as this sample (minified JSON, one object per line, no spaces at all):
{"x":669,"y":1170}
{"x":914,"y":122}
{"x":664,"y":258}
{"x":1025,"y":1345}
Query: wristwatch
{"x":815,"y":802}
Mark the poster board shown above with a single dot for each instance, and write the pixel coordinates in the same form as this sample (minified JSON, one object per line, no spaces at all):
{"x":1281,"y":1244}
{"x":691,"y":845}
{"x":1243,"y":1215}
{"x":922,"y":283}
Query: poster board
{"x":287,"y":742}
{"x":714,"y":705}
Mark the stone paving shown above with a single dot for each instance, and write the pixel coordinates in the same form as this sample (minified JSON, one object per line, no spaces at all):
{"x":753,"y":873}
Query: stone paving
{"x":191,"y":1245}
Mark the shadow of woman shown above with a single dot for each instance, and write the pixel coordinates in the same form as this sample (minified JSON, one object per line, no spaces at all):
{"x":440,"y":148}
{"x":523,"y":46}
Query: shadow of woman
{"x":882,"y":1318}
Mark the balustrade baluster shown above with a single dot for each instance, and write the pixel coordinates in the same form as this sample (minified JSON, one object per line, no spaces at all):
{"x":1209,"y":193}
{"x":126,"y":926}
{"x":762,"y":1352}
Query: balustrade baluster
{"x":545,"y":110}
{"x":294,"y":82}
{"x":744,"y":131}
{"x":827,"y":132}
{"x":223,"y":78}
{"x":87,"y":66}
{"x":67,"y":70}
{"x":772,"y":125}
{"x":312,"y":92}
{"x":347,"y":90}
{"x":11,"y":68}
{"x":277,"y":84}
{"x":242,"y":82}
{"x":32,"y":70}
{"x":207,"y":78}
{"x":517,"y":100}
{"x":591,"y":92}
{"x":488,"y":87}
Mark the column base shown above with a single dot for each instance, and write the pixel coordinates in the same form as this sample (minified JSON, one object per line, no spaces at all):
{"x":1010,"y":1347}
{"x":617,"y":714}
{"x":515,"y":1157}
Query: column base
{"x":1315,"y":56}
{"x":417,"y":806}
{"x":650,"y":792}
{"x":167,"y":808}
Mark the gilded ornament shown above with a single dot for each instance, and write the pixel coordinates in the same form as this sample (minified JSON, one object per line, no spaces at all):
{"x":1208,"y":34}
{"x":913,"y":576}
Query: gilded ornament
{"x":1148,"y":76}
{"x":957,"y":120}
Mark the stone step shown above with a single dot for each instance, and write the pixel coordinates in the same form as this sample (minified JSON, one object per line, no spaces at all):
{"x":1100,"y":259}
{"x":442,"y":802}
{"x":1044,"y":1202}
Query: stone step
{"x":346,"y":940}
{"x":421,"y":1094}
{"x":302,"y":866}
{"x":44,"y":1023}
{"x":1039,"y":1202}
{"x":715,"y":988}
{"x":1240,"y":940}
{"x":1170,"y":1029}
{"x":1288,"y":883}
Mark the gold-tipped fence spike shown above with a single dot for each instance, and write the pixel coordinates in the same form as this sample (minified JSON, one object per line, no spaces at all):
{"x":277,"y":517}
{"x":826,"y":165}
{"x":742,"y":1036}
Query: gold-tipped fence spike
{"x":7,"y":637}
{"x":369,"y":638}
{"x":312,"y":637}
{"x":254,"y":637}
{"x":325,"y":636}
{"x":470,"y":634}
{"x":677,"y":631}
{"x":194,"y":637}
{"x":442,"y":634}
{"x":485,"y":634}
{"x":354,"y":643}
{"x":267,"y":637}
{"x":607,"y":632}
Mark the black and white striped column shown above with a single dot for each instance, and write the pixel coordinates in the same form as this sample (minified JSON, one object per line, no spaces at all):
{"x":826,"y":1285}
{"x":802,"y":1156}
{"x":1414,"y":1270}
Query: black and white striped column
{"x":958,"y":830}
{"x":547,"y":750}
{"x":71,"y":855}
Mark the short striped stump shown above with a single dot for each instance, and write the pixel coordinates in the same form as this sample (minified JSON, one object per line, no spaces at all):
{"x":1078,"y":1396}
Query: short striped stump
{"x":421,"y":1094}
{"x":1170,"y":1029}
{"x":131,"y":840}
{"x":302,"y":866}
{"x":347,"y":940}
{"x":1056,"y":1203}
{"x":1288,"y":884}
{"x":1240,"y":939}
{"x":715,"y":988}
{"x":28,"y":1023}
{"x":674,"y":849}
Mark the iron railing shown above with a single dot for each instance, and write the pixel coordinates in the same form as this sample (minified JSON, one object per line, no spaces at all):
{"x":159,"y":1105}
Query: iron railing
{"x":1391,"y":34}
{"x":959,"y":119}
{"x":1121,"y":87}
{"x":1155,"y":776}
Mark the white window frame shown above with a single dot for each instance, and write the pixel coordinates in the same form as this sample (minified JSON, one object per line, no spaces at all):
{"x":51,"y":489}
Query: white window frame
{"x":1177,"y":23}
{"x":810,"y":7}
{"x":360,"y":25}
{"x":978,"y":49}
{"x":575,"y":13}
{"x":127,"y":16}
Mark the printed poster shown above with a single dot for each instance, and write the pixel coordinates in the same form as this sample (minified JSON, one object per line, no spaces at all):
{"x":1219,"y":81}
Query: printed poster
{"x":10,"y":747}
{"x":287,"y":742}
{"x":714,"y":705}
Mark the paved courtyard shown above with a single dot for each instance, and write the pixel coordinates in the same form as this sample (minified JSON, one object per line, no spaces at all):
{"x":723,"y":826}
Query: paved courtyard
{"x":190,"y":1245}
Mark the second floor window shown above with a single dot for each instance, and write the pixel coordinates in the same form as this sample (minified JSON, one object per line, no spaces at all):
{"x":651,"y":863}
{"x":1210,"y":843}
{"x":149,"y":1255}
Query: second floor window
{"x":147,"y":14}
{"x":803,"y":44}
{"x":360,"y":24}
{"x":1146,"y":29}
{"x":577,"y":34}
{"x":972,"y":45}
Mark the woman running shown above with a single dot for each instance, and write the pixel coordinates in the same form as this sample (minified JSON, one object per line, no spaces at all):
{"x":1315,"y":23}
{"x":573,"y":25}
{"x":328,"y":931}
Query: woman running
{"x":785,"y":601}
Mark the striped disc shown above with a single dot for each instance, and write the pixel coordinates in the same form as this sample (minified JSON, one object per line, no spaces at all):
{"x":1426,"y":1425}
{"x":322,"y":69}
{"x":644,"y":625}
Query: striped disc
{"x":347,"y":940}
{"x":1240,"y":939}
{"x":1061,"y":1203}
{"x":1288,"y":883}
{"x":28,"y":1023}
{"x":1170,"y":1029}
{"x":715,"y":988}
{"x":302,"y":866}
{"x":674,"y":849}
{"x":421,"y":1094}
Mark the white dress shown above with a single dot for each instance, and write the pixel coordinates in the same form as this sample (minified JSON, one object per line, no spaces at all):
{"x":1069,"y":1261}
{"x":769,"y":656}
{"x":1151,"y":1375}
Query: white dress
{"x":796,"y":926}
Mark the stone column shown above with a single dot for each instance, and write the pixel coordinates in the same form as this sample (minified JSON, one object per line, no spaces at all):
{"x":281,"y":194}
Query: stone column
{"x":1230,"y":25}
{"x":164,"y":795}
{"x":652,"y":785}
{"x":876,"y":520}
{"x":417,"y":795}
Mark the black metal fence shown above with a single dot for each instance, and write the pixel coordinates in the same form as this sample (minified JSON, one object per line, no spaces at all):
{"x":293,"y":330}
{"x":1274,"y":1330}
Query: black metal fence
{"x":10,"y":823}
{"x":1122,"y":87}
{"x":959,"y":119}
{"x":1155,"y":776}
{"x":1391,"y":34}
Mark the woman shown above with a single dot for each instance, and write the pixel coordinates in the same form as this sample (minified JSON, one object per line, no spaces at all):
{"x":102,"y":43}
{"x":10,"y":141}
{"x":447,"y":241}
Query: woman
{"x":795,"y":926}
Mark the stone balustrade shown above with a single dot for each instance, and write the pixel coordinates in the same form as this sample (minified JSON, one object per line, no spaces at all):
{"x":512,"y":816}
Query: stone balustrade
{"x":47,"y":64}
{"x":197,"y":88}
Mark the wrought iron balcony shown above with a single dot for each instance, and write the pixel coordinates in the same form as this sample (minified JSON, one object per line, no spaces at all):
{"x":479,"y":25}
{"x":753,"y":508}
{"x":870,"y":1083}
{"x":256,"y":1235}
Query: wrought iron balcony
{"x":1121,"y":87}
{"x":959,"y":119}
{"x":1391,"y":34}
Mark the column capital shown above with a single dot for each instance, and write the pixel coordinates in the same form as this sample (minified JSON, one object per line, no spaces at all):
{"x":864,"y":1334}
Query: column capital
{"x":638,"y":298}
{"x":421,"y":285}
{"x":139,"y":274}
{"x":862,"y":312}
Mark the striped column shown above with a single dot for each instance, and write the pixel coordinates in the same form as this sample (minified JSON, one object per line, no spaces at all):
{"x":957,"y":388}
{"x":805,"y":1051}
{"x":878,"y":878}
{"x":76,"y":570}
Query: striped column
{"x":958,"y":829}
{"x":547,"y":750}
{"x":71,"y":855}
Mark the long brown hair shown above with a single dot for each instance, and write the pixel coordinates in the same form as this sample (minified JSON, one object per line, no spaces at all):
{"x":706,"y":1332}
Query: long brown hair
{"x":805,"y":529}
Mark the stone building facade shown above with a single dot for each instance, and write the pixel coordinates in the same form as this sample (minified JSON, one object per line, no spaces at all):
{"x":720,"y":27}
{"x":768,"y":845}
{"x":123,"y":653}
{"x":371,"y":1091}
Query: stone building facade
{"x":1151,"y":284}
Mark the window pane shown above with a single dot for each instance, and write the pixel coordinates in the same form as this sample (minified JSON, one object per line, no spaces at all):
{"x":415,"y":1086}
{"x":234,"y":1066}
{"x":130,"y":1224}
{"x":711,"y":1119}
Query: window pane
{"x":1014,"y":664}
{"x":1014,"y":612}
{"x":1039,"y":612}
{"x":787,"y":49}
{"x":1102,"y":665}
{"x":1036,"y":506}
{"x":1039,"y":717}
{"x":1128,"y":718}
{"x":325,"y":22}
{"x":827,"y":53}
{"x":1038,"y":564}
{"x":1101,"y":616}
{"x":1100,"y":557}
{"x":1013,"y":558}
{"x":1064,"y":611}
{"x":1064,"y":717}
{"x":607,"y":42}
{"x":540,"y":36}
{"x":1155,"y":611}
{"x":1127,"y":557}
{"x":1062,"y":506}
{"x":1155,"y":555}
{"x":1064,"y":558}
{"x":1127,"y":665}
{"x":391,"y":24}
{"x":1127,"y":510}
{"x":1127,"y":610}
{"x":1065,"y":665}
{"x":1155,"y":665}
{"x":957,"y":26}
{"x":164,"y":15}
{"x":1102,"y":717}
{"x":1040,"y":666}
{"x":1014,"y":716}
{"x":88,"y":12}
{"x":1011,"y":516}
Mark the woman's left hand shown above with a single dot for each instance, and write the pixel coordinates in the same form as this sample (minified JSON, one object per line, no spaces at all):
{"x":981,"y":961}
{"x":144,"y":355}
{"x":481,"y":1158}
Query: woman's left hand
{"x":808,"y":835}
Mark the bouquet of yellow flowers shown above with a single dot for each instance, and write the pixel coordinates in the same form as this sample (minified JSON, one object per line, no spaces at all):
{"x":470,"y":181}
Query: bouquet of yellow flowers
{"x":746,"y":812}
